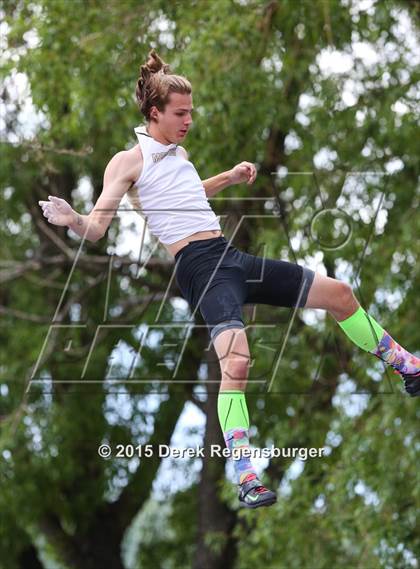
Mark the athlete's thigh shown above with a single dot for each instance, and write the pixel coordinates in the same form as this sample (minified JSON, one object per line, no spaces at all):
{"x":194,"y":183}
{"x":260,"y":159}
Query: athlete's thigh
{"x":213,"y":283}
{"x":220,"y":305}
{"x":276,"y":282}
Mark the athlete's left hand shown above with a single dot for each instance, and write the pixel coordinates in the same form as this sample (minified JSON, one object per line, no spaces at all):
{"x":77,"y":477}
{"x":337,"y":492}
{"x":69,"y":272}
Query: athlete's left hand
{"x":243,"y":172}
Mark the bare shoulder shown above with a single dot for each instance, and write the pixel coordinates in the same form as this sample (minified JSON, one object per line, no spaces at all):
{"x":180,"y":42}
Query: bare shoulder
{"x":132,"y":162}
{"x":184,"y":153}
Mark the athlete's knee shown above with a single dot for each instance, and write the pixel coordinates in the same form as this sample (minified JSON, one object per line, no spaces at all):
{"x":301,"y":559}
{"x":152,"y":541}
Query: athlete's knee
{"x":346,"y":293}
{"x":344,"y":297}
{"x":236,"y":366}
{"x":232,"y":349}
{"x":227,"y":333}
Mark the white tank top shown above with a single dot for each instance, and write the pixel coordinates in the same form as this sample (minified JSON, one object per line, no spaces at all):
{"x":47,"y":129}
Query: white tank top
{"x":172,"y":197}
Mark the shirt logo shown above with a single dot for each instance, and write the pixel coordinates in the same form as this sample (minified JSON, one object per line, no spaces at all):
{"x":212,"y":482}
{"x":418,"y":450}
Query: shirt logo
{"x":158,"y":156}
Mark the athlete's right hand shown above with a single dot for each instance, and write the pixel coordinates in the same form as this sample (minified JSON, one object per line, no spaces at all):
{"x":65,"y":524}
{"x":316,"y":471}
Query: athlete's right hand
{"x":57,"y":211}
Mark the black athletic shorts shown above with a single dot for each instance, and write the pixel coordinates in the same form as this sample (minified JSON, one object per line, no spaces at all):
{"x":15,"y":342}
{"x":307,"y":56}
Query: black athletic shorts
{"x":218,"y":279}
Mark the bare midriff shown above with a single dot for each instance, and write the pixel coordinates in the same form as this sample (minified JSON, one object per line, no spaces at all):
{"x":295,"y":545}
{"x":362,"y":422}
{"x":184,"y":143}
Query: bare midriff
{"x":173,"y":248}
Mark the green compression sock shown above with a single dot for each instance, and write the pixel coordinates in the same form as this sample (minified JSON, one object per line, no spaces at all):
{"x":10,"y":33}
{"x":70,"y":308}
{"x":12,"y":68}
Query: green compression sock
{"x":234,"y":420}
{"x":366,"y":333}
{"x":362,"y":329}
{"x":232,"y":410}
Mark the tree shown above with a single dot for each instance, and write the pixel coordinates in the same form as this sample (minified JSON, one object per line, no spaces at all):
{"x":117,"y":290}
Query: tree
{"x":263,"y":93}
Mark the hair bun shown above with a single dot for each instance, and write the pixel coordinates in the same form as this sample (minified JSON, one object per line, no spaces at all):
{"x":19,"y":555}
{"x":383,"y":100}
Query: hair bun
{"x":153,"y":89}
{"x":155,"y":64}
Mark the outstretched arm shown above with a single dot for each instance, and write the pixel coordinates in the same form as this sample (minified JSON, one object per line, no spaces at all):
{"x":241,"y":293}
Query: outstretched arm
{"x":242,"y":172}
{"x":93,"y":226}
{"x":217,"y":183}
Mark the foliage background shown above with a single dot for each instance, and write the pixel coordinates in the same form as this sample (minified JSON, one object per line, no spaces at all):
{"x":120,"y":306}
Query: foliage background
{"x":317,"y":94}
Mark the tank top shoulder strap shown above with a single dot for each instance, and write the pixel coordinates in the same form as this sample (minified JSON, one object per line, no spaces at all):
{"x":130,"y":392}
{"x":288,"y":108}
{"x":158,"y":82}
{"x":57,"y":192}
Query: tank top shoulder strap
{"x":146,"y":146}
{"x":145,"y":141}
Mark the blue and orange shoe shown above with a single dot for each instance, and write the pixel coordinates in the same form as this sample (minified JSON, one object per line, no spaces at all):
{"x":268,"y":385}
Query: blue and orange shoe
{"x":253,"y":494}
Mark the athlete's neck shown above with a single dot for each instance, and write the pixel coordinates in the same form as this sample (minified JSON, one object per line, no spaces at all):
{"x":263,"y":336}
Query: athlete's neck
{"x":155,"y":133}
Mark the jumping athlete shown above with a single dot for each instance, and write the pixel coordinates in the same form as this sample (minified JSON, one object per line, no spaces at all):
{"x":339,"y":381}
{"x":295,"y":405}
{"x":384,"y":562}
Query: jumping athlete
{"x":212,"y":274}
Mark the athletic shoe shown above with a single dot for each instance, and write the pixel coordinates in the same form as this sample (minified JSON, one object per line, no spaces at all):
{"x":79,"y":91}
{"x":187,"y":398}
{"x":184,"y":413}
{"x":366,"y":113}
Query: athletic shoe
{"x":253,"y":494}
{"x":411,"y":383}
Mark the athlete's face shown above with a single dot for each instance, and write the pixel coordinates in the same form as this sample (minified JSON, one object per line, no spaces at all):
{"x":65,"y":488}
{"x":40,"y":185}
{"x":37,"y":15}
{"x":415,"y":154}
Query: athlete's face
{"x":176,"y":120}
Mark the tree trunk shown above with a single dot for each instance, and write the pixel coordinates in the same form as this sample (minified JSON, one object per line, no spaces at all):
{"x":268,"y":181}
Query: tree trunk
{"x":215,"y":520}
{"x":29,"y":559}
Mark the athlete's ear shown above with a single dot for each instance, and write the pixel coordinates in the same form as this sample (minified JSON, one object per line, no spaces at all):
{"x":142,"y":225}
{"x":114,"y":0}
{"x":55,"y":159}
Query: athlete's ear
{"x":154,"y":113}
